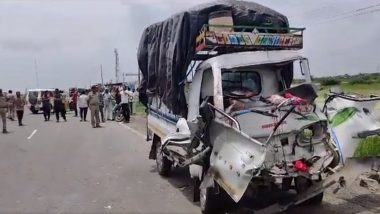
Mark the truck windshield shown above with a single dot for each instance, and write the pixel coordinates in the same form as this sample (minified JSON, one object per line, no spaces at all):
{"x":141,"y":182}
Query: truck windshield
{"x":242,"y":80}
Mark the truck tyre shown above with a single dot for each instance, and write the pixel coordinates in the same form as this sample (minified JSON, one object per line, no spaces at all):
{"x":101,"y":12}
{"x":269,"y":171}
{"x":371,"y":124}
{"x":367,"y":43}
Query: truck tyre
{"x":163,"y":164}
{"x":302,"y":184}
{"x":209,"y":201}
{"x":315,"y":201}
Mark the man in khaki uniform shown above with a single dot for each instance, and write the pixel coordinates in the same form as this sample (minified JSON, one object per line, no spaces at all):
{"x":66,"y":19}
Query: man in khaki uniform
{"x":93,"y":103}
{"x":3,"y":111}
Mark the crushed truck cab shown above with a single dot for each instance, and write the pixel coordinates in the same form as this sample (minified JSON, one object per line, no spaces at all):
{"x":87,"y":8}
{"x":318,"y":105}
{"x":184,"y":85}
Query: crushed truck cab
{"x":247,"y":135}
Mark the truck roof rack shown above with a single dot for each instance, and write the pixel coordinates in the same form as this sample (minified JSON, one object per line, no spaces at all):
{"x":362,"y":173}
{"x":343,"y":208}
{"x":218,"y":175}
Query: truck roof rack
{"x":215,"y":40}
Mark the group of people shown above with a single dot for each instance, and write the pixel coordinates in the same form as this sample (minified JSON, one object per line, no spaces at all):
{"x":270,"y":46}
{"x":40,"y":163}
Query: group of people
{"x":10,"y":105}
{"x":102,"y":104}
{"x":58,"y":105}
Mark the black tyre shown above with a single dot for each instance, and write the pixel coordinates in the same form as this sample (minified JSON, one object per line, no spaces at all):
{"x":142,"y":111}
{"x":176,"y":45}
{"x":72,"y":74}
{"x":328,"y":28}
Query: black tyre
{"x":315,"y":201}
{"x":302,"y":184}
{"x":35,"y":111}
{"x":119,"y":117}
{"x":163,"y":164}
{"x":214,"y":200}
{"x":209,"y":199}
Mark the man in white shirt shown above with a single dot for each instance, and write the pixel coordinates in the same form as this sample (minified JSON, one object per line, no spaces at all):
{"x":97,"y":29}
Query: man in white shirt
{"x":107,"y":98}
{"x":125,"y":96}
{"x":83,"y":106}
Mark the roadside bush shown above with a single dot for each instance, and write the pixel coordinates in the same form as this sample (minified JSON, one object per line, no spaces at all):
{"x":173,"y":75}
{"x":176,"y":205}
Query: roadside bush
{"x":361,"y":80}
{"x":329,"y":82}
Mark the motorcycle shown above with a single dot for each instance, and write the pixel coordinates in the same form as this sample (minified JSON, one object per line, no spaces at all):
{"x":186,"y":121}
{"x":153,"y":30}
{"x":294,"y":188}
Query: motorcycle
{"x":118,"y":113}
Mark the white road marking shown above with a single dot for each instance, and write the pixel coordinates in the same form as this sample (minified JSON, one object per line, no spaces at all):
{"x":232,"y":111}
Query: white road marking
{"x":133,"y":130}
{"x":31,"y":135}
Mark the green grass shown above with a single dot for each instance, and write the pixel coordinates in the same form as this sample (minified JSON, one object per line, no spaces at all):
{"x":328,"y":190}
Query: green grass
{"x":369,"y":147}
{"x":364,"y":89}
{"x":139,"y":108}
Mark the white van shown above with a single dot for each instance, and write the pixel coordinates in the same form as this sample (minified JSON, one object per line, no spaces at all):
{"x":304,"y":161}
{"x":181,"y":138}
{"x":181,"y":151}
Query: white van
{"x":33,"y":99}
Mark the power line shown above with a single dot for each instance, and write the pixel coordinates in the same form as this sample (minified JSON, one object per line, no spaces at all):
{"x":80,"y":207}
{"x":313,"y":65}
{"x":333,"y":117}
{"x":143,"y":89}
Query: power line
{"x":348,"y":14}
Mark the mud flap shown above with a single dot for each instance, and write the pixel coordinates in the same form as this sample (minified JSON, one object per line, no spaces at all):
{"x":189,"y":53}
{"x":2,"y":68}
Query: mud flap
{"x":234,"y":159}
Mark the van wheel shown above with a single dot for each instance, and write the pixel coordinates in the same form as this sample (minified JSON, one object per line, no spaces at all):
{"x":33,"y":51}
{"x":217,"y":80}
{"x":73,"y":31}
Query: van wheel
{"x":164,"y":165}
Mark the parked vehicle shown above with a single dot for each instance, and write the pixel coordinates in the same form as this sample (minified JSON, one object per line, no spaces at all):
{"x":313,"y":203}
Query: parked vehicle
{"x":246,"y":135}
{"x":33,"y":98}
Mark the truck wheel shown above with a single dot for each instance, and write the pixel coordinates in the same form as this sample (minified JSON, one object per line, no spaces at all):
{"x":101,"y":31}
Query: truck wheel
{"x":163,"y":164}
{"x":302,"y":184}
{"x":209,"y":201}
{"x":315,"y":201}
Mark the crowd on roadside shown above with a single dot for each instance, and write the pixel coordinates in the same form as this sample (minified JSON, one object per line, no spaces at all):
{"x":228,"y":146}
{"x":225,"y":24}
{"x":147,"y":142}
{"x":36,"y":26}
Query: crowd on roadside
{"x":103,"y":103}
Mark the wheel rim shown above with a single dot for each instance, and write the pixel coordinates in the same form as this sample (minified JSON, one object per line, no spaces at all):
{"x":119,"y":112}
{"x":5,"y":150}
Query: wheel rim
{"x":159,"y":157}
{"x":203,"y":197}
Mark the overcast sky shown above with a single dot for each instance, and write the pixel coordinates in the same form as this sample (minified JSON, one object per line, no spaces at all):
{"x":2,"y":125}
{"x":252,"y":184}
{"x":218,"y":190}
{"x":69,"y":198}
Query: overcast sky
{"x":70,"y":39}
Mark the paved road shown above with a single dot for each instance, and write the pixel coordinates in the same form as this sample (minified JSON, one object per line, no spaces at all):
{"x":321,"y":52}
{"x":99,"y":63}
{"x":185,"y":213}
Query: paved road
{"x":70,"y":167}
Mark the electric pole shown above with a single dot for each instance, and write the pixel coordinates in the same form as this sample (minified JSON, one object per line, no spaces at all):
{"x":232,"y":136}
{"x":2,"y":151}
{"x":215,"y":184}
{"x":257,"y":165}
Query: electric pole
{"x":36,"y":72}
{"x":101,"y":73}
{"x":117,"y":69}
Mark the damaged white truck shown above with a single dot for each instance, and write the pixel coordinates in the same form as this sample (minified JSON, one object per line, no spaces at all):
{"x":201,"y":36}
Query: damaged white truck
{"x":217,"y":83}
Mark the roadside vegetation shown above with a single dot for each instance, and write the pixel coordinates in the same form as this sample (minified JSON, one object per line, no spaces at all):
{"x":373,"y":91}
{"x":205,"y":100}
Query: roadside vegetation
{"x":366,"y":84}
{"x":369,"y":147}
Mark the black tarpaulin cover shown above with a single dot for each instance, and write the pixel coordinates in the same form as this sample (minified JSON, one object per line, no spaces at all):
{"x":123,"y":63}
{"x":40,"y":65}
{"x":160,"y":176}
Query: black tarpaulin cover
{"x":167,"y":48}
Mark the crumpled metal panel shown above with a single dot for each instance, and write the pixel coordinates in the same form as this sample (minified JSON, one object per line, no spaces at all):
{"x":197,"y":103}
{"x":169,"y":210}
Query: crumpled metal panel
{"x":234,"y":160}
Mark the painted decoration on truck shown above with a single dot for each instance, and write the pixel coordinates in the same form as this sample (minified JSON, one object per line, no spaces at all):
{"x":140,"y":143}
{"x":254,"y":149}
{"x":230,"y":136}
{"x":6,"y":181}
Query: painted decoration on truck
{"x":210,"y":39}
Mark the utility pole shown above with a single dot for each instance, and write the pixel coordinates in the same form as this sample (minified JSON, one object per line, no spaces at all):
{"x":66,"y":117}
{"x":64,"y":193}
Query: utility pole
{"x":117,"y":69}
{"x":138,"y":77}
{"x":101,"y":73}
{"x":36,"y":72}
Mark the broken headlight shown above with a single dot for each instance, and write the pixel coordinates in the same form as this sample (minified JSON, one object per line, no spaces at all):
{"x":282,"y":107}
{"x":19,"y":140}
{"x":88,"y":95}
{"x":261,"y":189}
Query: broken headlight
{"x":312,"y":133}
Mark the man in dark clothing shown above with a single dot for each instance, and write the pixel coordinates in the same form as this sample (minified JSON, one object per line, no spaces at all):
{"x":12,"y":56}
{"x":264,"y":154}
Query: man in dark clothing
{"x":74,"y":99}
{"x":101,"y":104}
{"x":46,"y":105}
{"x":3,"y":111}
{"x":19,"y":104}
{"x":59,"y":106}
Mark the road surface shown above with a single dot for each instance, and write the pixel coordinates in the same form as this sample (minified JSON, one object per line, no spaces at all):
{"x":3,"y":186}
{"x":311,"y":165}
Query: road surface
{"x":69,"y":167}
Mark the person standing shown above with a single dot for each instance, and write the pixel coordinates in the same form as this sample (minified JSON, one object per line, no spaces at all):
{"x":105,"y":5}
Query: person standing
{"x":74,"y":99}
{"x":117,"y":101}
{"x":3,"y":110}
{"x":11,"y":106}
{"x":93,"y":102}
{"x":107,"y":98}
{"x":130,"y":101}
{"x":19,"y":107}
{"x":59,"y":106}
{"x":46,"y":108}
{"x":101,"y":104}
{"x":83,"y":106}
{"x":125,"y":96}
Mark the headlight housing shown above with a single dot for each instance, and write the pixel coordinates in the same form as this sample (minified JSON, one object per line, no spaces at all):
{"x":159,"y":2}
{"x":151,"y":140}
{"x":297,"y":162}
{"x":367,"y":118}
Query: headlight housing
{"x":314,"y":133}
